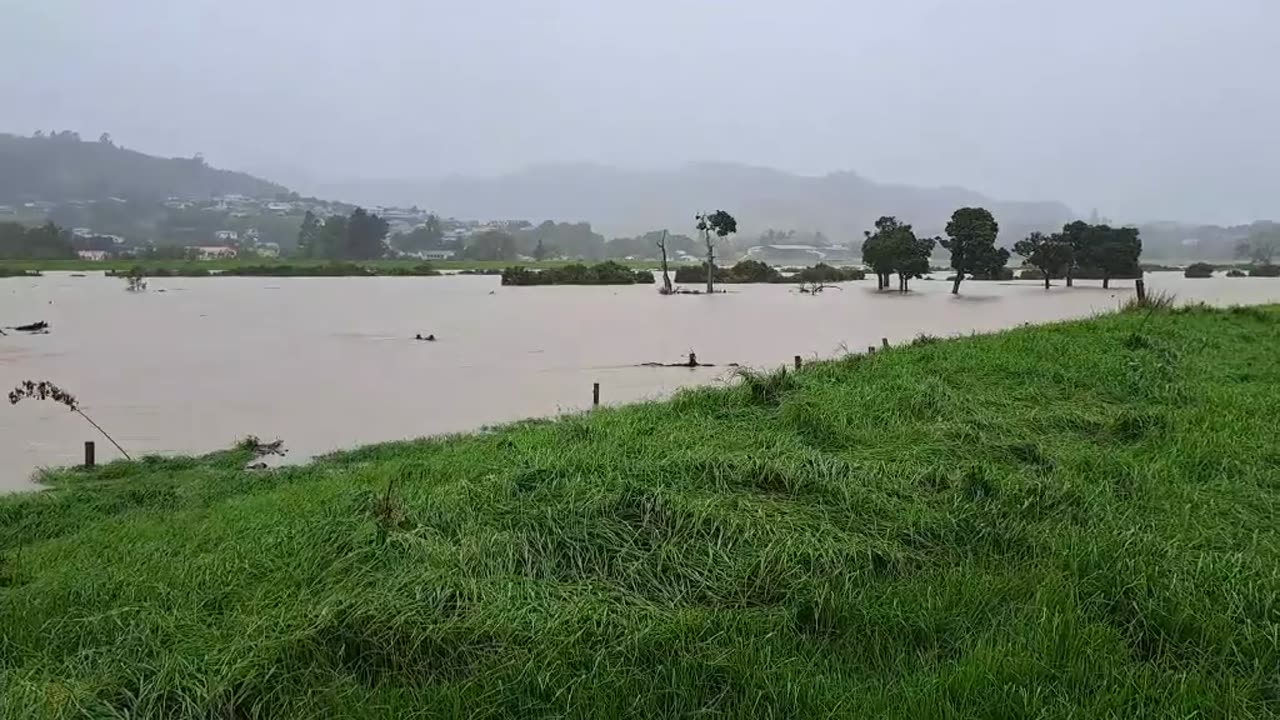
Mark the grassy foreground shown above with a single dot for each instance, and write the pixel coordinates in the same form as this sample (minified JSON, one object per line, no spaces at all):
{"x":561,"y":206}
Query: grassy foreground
{"x":1080,"y":520}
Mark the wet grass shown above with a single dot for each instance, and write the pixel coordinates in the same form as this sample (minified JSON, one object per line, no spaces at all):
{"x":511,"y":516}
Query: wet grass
{"x":1078,"y":520}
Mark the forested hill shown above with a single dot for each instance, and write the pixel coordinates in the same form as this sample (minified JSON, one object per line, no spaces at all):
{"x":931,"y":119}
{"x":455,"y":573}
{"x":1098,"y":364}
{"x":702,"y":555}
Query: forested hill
{"x":61,"y":167}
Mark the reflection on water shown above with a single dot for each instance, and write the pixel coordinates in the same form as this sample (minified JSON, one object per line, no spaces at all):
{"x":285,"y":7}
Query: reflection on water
{"x":328,"y":363}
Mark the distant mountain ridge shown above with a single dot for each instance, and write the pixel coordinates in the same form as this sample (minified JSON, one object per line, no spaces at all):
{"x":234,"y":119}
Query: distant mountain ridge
{"x":626,"y":202}
{"x":61,"y":167}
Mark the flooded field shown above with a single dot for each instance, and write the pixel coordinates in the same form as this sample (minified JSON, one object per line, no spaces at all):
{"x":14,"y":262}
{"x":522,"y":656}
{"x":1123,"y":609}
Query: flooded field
{"x":193,"y":364}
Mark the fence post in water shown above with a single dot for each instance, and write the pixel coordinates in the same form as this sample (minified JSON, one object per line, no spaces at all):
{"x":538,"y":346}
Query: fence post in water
{"x":885,"y":342}
{"x":88,"y":453}
{"x":797,"y":362}
{"x":871,"y":349}
{"x":595,"y":394}
{"x":1141,"y":287}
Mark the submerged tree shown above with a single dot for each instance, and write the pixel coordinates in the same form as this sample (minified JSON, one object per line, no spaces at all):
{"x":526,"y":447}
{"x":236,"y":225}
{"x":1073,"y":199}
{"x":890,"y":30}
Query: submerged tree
{"x":45,"y":390}
{"x":1050,"y":254}
{"x":666,"y":276}
{"x":971,"y":238}
{"x":894,"y":248}
{"x":713,"y":226}
{"x":1115,"y":252}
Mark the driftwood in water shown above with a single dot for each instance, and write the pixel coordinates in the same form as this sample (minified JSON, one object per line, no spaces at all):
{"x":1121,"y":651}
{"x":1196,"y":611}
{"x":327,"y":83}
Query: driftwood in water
{"x":429,"y":338}
{"x":34,"y":327}
{"x":692,"y":362}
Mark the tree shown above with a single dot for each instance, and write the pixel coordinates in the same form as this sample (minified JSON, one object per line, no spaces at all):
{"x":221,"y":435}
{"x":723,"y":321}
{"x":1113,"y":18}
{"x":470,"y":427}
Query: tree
{"x":540,"y":251}
{"x":1115,"y":252}
{"x":666,"y":276}
{"x":333,"y":238}
{"x":894,"y":248}
{"x":719,"y":224}
{"x":971,"y":238}
{"x":105,"y":139}
{"x":46,"y":242}
{"x":877,"y":251}
{"x":428,"y":236}
{"x":1261,"y":247}
{"x":309,"y":235}
{"x":1050,"y":254}
{"x":913,"y":259}
{"x":366,"y":236}
{"x":490,"y":245}
{"x":1079,"y":236}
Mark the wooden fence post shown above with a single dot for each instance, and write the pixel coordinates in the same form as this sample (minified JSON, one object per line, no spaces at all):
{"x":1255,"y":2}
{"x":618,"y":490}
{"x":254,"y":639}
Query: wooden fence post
{"x":797,"y":362}
{"x":1141,"y":287}
{"x":871,"y":349}
{"x":885,"y":343}
{"x":88,"y":453}
{"x":595,"y":394}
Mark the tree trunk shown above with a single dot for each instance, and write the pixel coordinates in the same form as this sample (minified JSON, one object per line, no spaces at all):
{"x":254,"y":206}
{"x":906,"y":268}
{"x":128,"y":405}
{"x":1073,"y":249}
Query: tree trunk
{"x":955,"y":286}
{"x":711,"y":264}
{"x":1069,"y":279}
{"x":666,"y":277}
{"x":1106,"y":282}
{"x":1046,"y":281}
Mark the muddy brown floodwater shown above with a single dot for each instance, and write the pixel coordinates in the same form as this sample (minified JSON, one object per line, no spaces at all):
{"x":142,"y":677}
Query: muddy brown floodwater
{"x":193,"y":364}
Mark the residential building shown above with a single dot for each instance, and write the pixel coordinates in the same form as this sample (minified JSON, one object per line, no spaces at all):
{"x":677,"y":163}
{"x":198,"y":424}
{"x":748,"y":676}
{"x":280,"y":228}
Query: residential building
{"x":215,"y":252}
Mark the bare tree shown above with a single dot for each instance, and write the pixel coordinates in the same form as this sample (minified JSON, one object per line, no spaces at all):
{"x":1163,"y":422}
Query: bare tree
{"x":666,"y":277}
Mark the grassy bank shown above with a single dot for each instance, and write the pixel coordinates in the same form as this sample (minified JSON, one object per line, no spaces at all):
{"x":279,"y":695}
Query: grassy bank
{"x":1076,"y":520}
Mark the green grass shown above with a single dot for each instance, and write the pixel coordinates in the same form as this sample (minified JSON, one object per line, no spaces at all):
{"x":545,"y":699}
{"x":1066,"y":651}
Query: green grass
{"x":1071,"y":521}
{"x":181,"y":266}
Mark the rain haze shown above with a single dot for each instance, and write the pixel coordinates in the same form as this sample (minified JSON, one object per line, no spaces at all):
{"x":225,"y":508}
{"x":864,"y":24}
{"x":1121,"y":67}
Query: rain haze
{"x":1146,"y":109}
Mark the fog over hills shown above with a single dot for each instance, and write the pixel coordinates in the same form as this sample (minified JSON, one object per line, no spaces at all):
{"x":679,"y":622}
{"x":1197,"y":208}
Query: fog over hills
{"x":625,"y":202}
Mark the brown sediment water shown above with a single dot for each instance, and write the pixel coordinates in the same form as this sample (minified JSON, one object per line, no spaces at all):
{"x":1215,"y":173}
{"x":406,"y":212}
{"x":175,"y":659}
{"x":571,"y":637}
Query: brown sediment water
{"x":331,"y":363}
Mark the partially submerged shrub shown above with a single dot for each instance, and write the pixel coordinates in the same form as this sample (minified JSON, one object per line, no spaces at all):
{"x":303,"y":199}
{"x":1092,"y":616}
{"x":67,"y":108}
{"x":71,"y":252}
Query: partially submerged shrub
{"x":1198,"y":270}
{"x":605,"y":273}
{"x":1236,"y":273}
{"x":1264,"y":271}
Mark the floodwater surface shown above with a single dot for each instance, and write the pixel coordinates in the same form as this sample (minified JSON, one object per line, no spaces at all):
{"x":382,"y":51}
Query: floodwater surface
{"x":194,"y":364}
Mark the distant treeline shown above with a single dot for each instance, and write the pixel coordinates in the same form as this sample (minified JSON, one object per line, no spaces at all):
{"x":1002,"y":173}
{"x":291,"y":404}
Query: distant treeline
{"x":754,"y":271}
{"x":44,"y":242}
{"x":333,"y":269}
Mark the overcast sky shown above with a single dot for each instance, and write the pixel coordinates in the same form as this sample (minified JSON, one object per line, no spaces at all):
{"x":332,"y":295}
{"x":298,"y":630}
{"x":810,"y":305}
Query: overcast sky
{"x":1145,"y":109}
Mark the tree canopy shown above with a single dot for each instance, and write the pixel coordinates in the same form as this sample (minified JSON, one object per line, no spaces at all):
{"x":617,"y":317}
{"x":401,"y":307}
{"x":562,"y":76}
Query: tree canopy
{"x":1052,"y":254}
{"x":713,"y":226}
{"x":894,"y":248}
{"x":490,"y":245}
{"x":359,"y":236}
{"x":971,"y":238}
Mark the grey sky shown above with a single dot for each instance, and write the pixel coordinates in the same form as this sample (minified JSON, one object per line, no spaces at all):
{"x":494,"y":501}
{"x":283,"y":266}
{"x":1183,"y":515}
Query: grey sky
{"x":1145,"y":109}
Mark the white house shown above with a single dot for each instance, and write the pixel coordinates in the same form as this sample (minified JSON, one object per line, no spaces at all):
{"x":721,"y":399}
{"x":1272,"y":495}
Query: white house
{"x":95,"y":255}
{"x":226,"y":235}
{"x":215,"y":252}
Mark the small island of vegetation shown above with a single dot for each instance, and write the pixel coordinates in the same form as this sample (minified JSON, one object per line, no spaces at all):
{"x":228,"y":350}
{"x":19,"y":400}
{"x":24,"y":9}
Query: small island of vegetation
{"x":605,"y":273}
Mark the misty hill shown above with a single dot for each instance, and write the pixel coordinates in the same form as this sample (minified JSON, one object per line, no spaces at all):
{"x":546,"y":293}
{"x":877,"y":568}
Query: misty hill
{"x":62,"y":167}
{"x":627,"y":202}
